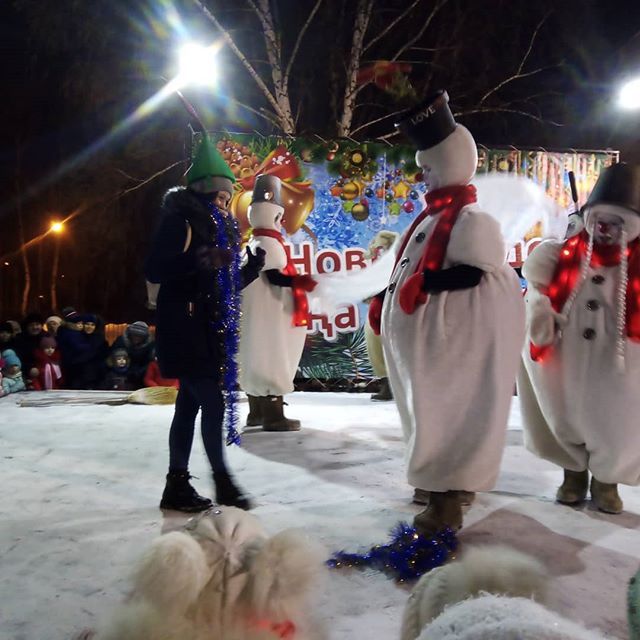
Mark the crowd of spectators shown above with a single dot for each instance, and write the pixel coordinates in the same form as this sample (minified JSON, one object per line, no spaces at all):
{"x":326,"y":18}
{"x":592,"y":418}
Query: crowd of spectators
{"x":71,"y":351}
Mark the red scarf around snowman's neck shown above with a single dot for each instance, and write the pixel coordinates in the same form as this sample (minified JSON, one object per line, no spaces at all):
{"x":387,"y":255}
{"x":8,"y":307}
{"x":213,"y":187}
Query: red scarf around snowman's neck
{"x":300,"y":301}
{"x":448,"y":202}
{"x":567,"y":274}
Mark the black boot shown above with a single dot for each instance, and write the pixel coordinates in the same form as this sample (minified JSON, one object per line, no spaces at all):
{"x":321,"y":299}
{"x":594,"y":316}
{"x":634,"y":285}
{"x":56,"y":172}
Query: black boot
{"x":228,"y":494}
{"x":385,"y":394}
{"x":179,"y":495}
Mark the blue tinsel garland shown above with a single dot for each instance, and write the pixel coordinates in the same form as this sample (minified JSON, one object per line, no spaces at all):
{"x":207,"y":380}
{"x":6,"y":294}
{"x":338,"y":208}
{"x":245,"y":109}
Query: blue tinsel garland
{"x":406,"y":557}
{"x":227,"y":324}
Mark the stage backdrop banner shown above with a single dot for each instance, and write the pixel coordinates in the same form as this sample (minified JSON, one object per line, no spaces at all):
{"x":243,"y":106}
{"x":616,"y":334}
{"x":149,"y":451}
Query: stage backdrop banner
{"x":340,"y":194}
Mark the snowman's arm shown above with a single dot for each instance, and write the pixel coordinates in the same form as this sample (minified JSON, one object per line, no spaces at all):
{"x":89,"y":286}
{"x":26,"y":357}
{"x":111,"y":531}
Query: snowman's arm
{"x":278,"y":279}
{"x":462,"y":276}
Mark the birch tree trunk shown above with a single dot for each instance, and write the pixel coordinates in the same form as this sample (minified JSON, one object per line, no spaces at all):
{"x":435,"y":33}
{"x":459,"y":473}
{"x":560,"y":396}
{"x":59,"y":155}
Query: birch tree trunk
{"x":363,"y":15}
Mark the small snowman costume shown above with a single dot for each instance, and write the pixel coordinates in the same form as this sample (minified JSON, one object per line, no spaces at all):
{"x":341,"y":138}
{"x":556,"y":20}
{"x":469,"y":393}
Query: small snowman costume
{"x":275,"y":315}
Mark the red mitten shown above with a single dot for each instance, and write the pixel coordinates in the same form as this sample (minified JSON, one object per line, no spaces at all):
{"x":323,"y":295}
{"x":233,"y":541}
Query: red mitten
{"x":412,"y":294}
{"x":304,"y":282}
{"x":375,"y":314}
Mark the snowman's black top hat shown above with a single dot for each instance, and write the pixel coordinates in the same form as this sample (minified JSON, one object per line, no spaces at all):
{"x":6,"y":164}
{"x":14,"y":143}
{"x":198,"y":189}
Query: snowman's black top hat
{"x":430,"y":122}
{"x":267,"y":189}
{"x":619,"y":185}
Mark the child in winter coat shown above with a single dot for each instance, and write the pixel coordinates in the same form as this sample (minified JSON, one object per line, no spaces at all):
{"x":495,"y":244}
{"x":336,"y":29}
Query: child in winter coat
{"x":153,"y":377}
{"x":12,"y":381}
{"x":7,"y":339}
{"x":118,"y":376}
{"x":48,"y":365}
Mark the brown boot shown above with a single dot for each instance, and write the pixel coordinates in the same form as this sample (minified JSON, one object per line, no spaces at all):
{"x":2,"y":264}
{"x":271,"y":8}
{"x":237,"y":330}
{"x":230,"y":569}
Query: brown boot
{"x":254,"y":419}
{"x":605,"y":496}
{"x":384,"y":394}
{"x":467,"y":498}
{"x":420,"y":496}
{"x":574,"y":488}
{"x":274,"y":418}
{"x":444,"y":510}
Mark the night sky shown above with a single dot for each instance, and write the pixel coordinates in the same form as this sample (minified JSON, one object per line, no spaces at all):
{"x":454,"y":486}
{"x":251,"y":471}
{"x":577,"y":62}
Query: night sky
{"x":75,"y":69}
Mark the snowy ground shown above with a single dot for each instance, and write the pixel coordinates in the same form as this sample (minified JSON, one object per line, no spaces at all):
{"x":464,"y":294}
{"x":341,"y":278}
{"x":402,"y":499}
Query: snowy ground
{"x":80,"y":487}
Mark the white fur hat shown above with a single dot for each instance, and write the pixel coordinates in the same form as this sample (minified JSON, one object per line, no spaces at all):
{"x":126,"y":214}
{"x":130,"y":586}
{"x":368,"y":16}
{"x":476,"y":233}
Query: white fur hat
{"x":490,"y":569}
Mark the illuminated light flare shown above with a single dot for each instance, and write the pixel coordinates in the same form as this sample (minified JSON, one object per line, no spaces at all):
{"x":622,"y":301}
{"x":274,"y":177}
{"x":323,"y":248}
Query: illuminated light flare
{"x":629,"y":95}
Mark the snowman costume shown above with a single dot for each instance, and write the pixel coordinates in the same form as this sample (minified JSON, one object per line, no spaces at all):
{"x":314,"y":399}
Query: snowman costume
{"x":452,"y":325}
{"x":581,"y":366}
{"x":274,"y":315}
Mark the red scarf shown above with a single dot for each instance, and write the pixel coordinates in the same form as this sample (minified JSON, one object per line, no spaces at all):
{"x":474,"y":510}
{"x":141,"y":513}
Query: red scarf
{"x":567,"y":273}
{"x":300,"y":302}
{"x":447,"y":201}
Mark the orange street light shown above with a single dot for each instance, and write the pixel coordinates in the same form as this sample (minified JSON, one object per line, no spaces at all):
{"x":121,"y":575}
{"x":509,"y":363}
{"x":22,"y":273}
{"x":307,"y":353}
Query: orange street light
{"x":57,"y":227}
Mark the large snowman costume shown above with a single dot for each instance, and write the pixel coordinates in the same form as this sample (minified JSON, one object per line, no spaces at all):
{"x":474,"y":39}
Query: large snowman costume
{"x":274,"y":315}
{"x":452,"y":325}
{"x":580,"y":383}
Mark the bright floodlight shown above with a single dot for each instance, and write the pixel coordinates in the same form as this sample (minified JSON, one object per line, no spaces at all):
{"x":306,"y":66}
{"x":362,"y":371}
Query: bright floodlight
{"x":197,"y":64}
{"x":629,"y":97}
{"x":57,"y":227}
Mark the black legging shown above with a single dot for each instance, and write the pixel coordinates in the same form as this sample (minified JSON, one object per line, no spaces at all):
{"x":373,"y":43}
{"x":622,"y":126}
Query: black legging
{"x":195,"y":393}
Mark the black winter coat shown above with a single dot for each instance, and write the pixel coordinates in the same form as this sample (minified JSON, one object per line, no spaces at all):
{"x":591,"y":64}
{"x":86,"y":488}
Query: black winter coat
{"x":187,"y":344}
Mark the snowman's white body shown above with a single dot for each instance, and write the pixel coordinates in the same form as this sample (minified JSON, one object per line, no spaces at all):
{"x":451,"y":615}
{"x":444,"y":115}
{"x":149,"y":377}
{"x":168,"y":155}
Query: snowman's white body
{"x":580,"y":405}
{"x":270,"y":345}
{"x":452,"y":364}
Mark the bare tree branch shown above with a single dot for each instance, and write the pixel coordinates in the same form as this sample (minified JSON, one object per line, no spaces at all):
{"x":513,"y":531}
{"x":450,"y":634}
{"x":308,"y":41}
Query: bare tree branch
{"x":243,"y":59}
{"x":518,"y":74}
{"x":519,"y":112}
{"x":141,"y":183}
{"x":296,"y":46}
{"x":363,"y":14}
{"x":420,"y":33}
{"x":368,"y":124}
{"x":274,"y":55}
{"x":391,"y":25}
{"x":262,"y":112}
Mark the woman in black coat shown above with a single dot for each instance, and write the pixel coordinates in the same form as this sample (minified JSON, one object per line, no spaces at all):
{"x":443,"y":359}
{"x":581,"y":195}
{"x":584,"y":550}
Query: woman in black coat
{"x":195,"y":258}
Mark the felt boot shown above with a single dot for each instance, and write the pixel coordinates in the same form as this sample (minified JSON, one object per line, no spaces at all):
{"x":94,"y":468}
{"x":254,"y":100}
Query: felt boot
{"x":420,"y":496}
{"x":254,"y":419}
{"x":179,"y":495}
{"x":274,"y":418}
{"x":574,"y":488}
{"x":605,"y":496}
{"x":384,"y":394}
{"x":444,"y":510}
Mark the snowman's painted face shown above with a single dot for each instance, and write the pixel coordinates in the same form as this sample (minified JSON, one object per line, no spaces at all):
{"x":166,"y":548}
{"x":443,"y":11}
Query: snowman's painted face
{"x":608,"y":229}
{"x":606,"y":223}
{"x":451,"y":162}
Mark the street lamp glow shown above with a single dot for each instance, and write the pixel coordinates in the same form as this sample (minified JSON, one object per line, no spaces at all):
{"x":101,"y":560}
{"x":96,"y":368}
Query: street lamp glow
{"x":198,"y":64}
{"x":56,"y":227}
{"x":629,"y":96}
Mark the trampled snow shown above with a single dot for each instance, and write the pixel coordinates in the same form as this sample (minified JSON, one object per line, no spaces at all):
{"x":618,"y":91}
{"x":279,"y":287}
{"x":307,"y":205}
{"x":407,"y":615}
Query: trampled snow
{"x":81,"y":485}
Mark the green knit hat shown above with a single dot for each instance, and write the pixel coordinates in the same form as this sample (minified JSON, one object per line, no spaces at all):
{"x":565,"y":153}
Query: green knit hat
{"x":209,"y":172}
